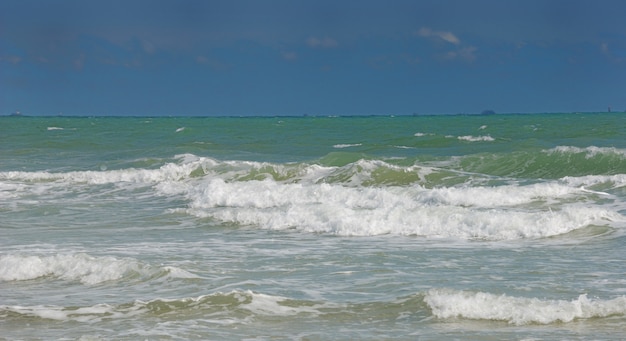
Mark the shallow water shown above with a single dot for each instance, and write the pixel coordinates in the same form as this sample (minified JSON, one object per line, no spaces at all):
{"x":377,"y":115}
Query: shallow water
{"x":424,"y":228}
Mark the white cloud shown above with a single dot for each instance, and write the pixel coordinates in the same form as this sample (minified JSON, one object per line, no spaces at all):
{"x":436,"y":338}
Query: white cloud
{"x":460,"y":52}
{"x":443,"y":35}
{"x":321,"y":42}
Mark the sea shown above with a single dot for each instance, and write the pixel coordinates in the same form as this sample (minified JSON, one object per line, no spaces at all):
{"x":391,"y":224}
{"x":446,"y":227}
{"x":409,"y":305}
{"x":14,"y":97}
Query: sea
{"x":443,"y":227}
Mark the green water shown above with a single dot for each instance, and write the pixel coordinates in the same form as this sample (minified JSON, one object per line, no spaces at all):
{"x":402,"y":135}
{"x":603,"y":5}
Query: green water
{"x":492,"y":227}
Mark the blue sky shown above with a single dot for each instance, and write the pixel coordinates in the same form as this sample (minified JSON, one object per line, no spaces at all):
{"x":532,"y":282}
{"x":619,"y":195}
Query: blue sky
{"x":204,"y":57}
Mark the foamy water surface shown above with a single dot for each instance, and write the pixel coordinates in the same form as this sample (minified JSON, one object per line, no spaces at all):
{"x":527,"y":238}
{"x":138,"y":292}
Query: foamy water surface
{"x":157,"y":228}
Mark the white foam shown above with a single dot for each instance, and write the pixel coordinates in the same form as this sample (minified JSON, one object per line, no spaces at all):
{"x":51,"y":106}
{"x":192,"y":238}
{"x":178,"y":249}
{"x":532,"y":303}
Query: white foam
{"x":468,"y":213}
{"x":169,"y":171}
{"x":254,"y":303}
{"x":262,"y":304}
{"x":174,"y":272}
{"x":354,"y":199}
{"x":55,"y":128}
{"x":346,"y":145}
{"x":476,"y":138}
{"x":615,"y":181}
{"x":589,"y":152}
{"x":422,"y":134}
{"x":448,"y":304}
{"x":76,"y":267}
{"x":82,"y":314}
{"x":497,"y":196}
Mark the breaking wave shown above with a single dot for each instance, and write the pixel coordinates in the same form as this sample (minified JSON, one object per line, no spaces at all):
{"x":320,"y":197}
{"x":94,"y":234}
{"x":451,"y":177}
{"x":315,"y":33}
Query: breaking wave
{"x":79,"y":267}
{"x":446,"y":304}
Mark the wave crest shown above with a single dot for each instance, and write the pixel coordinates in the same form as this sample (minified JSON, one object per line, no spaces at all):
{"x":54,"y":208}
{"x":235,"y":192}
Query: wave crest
{"x":448,"y":304}
{"x":80,"y":267}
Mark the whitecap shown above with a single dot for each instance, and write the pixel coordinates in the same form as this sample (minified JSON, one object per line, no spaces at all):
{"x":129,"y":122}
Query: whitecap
{"x":76,"y":267}
{"x":467,"y":213}
{"x":470,"y":138}
{"x":81,"y":267}
{"x":346,"y":145}
{"x":446,"y":304}
{"x":590,"y":151}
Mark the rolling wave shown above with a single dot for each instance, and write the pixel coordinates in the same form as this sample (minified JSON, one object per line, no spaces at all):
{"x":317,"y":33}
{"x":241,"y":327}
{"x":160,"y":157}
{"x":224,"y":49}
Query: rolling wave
{"x":360,"y":198}
{"x":238,"y":306}
{"x":80,"y":267}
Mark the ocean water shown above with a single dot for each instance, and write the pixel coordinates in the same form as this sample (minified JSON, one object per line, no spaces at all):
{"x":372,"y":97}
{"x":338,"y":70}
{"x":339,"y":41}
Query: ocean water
{"x":500,"y":227}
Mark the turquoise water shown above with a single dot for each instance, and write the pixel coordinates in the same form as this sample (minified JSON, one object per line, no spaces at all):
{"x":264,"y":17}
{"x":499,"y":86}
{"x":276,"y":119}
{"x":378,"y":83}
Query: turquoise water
{"x":313,"y":228}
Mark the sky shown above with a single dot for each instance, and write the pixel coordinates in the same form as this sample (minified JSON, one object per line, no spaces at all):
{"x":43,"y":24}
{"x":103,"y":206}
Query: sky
{"x":275,"y":57}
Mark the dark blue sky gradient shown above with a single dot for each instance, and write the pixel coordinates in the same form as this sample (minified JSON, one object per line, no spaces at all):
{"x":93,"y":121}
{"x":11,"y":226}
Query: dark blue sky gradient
{"x":166,"y":57}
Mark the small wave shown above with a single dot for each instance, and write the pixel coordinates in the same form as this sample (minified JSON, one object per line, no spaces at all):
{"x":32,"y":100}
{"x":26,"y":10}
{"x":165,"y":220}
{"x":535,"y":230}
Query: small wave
{"x":180,"y":129}
{"x":446,"y":304}
{"x":55,"y":128}
{"x":615,"y":181}
{"x":174,"y":272}
{"x":240,"y":305}
{"x":347,"y":145}
{"x":470,"y":138}
{"x":590,"y":152}
{"x":350,"y":169}
{"x":224,"y":304}
{"x":167,"y":172}
{"x":552,"y":163}
{"x":80,"y":267}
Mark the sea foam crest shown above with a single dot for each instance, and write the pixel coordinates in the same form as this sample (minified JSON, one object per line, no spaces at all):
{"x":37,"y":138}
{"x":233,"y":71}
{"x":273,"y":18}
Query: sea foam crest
{"x":362,"y":198}
{"x":589,"y":152}
{"x":80,"y":267}
{"x":615,"y":181}
{"x":346,"y":145}
{"x":334,"y":200}
{"x":365,"y":211}
{"x":471,"y":138}
{"x":447,"y":304}
{"x":167,"y":172}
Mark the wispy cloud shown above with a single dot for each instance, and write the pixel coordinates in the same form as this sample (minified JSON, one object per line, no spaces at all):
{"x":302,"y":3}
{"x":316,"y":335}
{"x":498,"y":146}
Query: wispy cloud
{"x":461,"y":52}
{"x":439,"y":35}
{"x":325,"y":42}
{"x":612,"y":54}
{"x":467,"y":54}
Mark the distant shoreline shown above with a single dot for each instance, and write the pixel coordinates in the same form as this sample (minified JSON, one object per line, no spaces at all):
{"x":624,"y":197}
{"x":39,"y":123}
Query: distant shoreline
{"x":308,"y":116}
